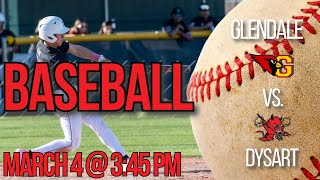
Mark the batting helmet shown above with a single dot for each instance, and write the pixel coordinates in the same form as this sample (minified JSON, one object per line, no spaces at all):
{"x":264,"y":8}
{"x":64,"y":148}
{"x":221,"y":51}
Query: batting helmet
{"x":49,"y":26}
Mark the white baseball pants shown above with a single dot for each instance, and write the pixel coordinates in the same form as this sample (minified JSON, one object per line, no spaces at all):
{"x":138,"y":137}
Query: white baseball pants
{"x":71,"y":123}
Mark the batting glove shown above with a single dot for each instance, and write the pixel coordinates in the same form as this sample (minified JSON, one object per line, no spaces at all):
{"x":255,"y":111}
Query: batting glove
{"x":103,"y":59}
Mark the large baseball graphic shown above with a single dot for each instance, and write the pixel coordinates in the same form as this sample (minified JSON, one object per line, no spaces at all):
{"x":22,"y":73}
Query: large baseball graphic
{"x":250,"y":123}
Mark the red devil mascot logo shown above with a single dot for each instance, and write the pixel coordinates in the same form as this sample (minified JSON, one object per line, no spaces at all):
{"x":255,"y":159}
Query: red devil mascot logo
{"x":274,"y":127}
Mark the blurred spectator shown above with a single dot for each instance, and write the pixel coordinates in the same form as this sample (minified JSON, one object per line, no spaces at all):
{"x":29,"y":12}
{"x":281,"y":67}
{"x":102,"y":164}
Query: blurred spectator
{"x":106,"y":28}
{"x":32,"y":51}
{"x":203,"y":21}
{"x":176,"y":25}
{"x":11,"y":42}
{"x":83,"y":28}
{"x":74,"y":28}
{"x":80,"y":27}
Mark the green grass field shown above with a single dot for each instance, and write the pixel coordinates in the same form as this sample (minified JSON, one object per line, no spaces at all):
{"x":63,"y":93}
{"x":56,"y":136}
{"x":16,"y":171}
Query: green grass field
{"x":137,"y":132}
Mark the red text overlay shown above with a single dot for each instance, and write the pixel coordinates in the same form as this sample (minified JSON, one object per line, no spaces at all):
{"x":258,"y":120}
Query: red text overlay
{"x":56,"y":164}
{"x":138,"y":89}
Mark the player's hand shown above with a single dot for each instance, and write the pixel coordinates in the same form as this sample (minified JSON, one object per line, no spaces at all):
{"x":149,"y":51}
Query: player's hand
{"x":186,"y":36}
{"x":180,"y":27}
{"x":103,"y":59}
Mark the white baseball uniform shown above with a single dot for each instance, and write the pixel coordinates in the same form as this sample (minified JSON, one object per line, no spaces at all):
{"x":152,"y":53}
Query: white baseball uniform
{"x":71,"y":122}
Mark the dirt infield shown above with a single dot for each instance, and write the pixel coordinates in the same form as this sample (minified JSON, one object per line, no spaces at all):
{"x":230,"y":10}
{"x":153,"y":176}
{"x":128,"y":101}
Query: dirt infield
{"x":191,"y":168}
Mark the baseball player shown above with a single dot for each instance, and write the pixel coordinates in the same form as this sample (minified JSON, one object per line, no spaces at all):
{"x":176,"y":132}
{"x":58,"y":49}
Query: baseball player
{"x":52,"y":48}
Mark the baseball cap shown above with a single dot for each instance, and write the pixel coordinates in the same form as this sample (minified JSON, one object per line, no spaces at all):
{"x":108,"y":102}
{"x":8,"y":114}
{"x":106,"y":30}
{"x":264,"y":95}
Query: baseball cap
{"x":204,"y":7}
{"x":177,"y":11}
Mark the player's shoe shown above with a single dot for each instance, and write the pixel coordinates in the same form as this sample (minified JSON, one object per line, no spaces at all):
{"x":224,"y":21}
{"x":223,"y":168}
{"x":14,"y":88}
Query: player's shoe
{"x":124,"y":165}
{"x":21,"y":151}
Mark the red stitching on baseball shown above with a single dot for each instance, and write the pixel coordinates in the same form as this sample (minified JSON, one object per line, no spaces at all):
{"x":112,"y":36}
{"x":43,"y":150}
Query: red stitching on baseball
{"x":251,"y":68}
{"x":203,"y":81}
{"x":292,"y":27}
{"x":307,"y":173}
{"x":259,"y":50}
{"x":229,"y":71}
{"x":211,"y":78}
{"x":220,"y":75}
{"x":240,"y":65}
{"x":284,"y":42}
{"x":199,"y":80}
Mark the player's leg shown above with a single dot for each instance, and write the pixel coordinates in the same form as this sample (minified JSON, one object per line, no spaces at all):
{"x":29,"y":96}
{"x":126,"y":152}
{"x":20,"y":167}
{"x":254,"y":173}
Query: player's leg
{"x":72,"y":127}
{"x":71,"y":124}
{"x":105,"y":134}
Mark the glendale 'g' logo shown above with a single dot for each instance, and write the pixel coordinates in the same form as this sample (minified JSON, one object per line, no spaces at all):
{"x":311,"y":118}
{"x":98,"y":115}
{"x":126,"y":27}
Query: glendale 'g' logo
{"x":281,"y":66}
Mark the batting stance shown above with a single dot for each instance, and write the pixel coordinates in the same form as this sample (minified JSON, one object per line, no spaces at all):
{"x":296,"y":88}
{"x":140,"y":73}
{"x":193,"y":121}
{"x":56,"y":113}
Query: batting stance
{"x":52,"y":49}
